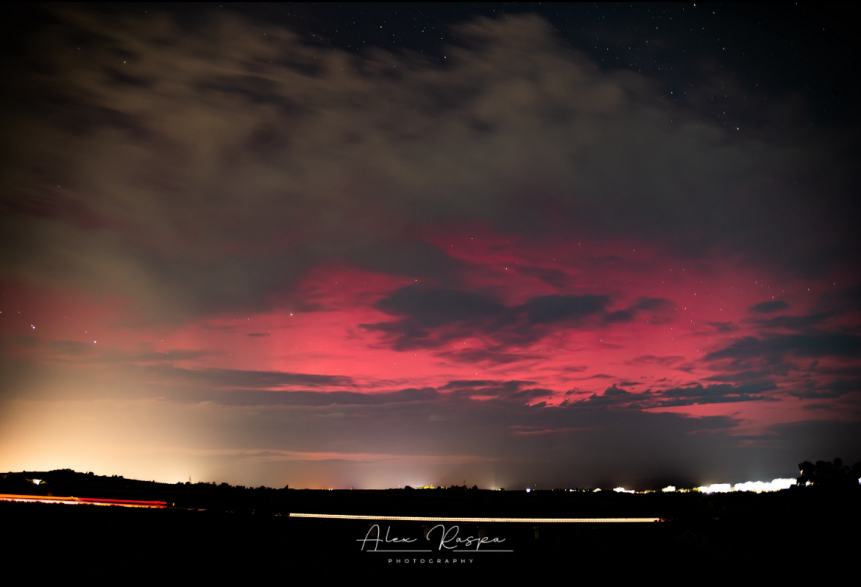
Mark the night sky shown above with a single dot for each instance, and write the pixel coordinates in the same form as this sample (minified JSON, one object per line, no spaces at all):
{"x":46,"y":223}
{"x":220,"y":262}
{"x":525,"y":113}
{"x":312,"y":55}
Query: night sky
{"x":372,"y":246}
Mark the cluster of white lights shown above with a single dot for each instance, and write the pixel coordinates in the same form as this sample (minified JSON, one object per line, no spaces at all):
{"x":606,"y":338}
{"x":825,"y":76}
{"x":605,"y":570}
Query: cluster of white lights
{"x":755,"y":486}
{"x":750,"y":486}
{"x":715,"y":488}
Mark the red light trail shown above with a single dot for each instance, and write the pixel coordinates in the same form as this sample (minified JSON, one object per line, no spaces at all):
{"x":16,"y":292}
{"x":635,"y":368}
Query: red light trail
{"x":128,"y":503}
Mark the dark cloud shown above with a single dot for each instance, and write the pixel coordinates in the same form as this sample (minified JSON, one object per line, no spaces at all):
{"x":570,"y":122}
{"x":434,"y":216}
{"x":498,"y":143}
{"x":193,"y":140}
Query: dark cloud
{"x":256,"y":397}
{"x":722,"y":327}
{"x":203,"y":150}
{"x":566,"y":309}
{"x":838,"y":388}
{"x":91,"y":352}
{"x":243,"y":379}
{"x":743,"y":376}
{"x":430,"y":317}
{"x":775,"y":347}
{"x":473,"y":384}
{"x":513,"y":390}
{"x":494,"y":355}
{"x":769,"y":306}
{"x":719,"y":393}
{"x":554,"y":277}
{"x":658,"y":309}
{"x":689,"y":395}
{"x":612,"y":396}
{"x":801,"y":323}
{"x":815,"y":437}
{"x":650,"y":304}
{"x":665,"y":360}
{"x":814,"y":363}
{"x":429,"y":307}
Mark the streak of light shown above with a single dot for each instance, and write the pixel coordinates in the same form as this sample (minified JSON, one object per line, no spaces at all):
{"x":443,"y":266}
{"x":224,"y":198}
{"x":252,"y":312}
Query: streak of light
{"x":469,"y":520}
{"x":128,"y":503}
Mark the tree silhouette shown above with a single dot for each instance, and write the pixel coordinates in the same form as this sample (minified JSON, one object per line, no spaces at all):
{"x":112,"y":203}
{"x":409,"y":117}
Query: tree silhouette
{"x":829,"y":475}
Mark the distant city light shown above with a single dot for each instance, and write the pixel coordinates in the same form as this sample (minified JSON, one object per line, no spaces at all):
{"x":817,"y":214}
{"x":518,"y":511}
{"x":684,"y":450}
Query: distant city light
{"x":623,"y":490}
{"x":714,"y":488}
{"x":760,"y":486}
{"x":753,"y":486}
{"x":669,"y":489}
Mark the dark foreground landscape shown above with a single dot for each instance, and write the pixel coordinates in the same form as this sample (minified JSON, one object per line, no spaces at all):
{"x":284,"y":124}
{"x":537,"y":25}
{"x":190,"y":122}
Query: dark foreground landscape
{"x":208,"y":531}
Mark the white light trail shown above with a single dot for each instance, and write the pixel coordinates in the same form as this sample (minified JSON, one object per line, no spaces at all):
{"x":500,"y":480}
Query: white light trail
{"x":470,"y":520}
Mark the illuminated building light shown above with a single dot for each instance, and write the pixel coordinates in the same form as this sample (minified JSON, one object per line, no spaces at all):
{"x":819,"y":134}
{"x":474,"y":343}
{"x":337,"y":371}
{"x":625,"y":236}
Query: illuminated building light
{"x":669,"y":489}
{"x":471,"y":520}
{"x":714,"y":488}
{"x":761,"y":486}
{"x":623,"y":490}
{"x":752,"y":486}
